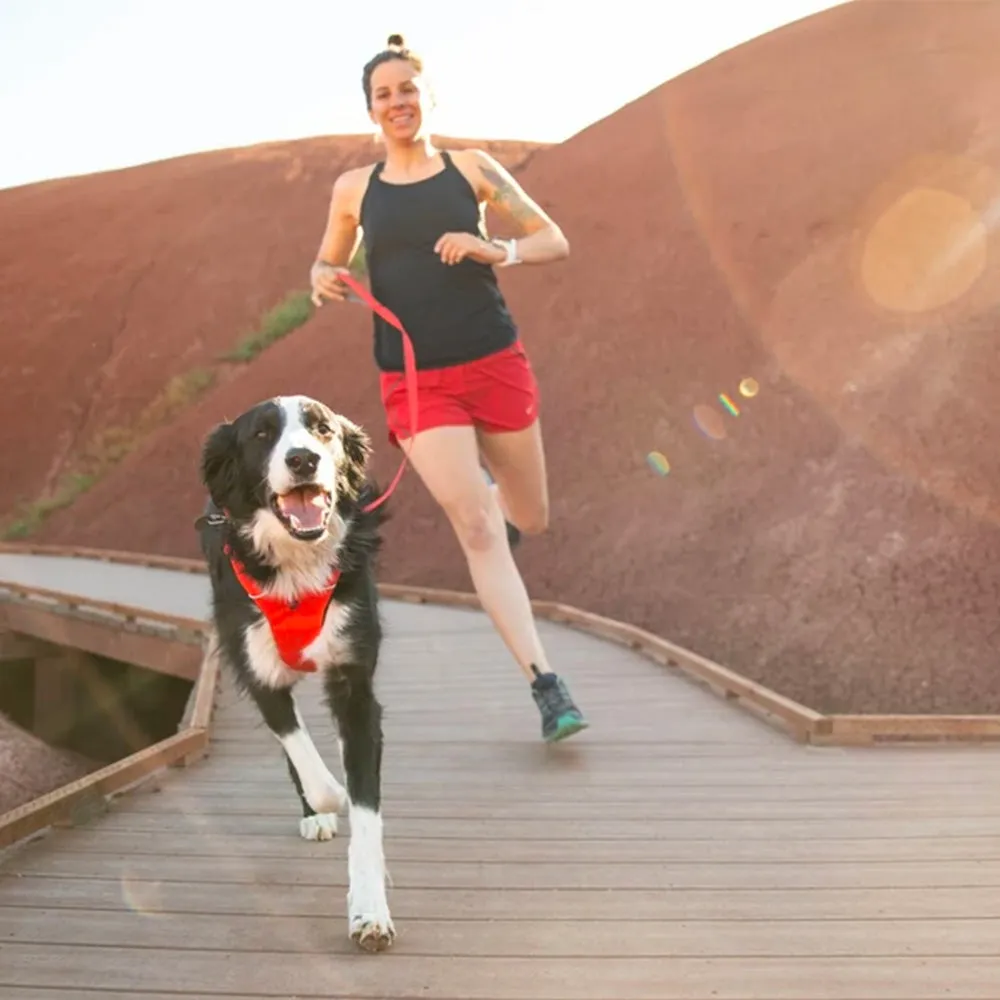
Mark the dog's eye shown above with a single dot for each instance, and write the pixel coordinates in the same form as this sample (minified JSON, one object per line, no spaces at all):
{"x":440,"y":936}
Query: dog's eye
{"x":324,"y":428}
{"x":263,"y":434}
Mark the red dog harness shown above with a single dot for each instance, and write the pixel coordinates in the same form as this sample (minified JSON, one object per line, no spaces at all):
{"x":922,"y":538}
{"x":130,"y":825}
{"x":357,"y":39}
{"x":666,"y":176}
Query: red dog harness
{"x":294,"y":623}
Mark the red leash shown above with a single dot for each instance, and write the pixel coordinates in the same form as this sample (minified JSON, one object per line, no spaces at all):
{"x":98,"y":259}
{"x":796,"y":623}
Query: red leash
{"x":409,"y":364}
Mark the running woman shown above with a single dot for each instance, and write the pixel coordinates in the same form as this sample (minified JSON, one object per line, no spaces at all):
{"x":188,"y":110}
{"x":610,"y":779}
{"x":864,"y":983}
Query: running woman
{"x":420,"y":213}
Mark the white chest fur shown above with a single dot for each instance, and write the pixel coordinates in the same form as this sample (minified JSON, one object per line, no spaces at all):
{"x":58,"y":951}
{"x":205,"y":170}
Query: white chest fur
{"x":329,"y":649}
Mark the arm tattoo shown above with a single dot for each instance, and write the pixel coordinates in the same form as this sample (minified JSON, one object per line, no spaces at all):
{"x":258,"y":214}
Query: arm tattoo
{"x":505,"y":197}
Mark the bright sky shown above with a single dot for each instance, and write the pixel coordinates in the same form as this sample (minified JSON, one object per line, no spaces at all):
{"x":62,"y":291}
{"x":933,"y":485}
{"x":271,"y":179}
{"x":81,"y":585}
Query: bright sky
{"x":89,"y":85}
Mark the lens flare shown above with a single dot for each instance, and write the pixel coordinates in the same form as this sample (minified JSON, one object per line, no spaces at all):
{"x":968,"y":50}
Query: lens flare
{"x":749,"y":388}
{"x":925,"y":251}
{"x":142,"y":897}
{"x":729,"y":404}
{"x":709,"y":422}
{"x":658,"y":463}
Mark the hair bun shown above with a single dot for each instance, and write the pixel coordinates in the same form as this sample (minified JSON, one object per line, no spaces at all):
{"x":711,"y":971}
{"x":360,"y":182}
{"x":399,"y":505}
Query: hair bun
{"x":395,"y":42}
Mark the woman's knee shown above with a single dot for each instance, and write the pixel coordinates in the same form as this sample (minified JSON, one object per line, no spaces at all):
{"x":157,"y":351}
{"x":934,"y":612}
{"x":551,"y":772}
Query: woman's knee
{"x":534,"y":520}
{"x":477,"y":523}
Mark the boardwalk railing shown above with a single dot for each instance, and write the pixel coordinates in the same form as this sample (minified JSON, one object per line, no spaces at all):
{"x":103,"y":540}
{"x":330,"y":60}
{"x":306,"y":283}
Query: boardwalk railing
{"x":167,"y":643}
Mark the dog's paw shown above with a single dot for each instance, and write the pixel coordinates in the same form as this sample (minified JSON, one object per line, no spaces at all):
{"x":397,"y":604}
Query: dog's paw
{"x":322,"y":826}
{"x":372,"y":931}
{"x":326,"y":795}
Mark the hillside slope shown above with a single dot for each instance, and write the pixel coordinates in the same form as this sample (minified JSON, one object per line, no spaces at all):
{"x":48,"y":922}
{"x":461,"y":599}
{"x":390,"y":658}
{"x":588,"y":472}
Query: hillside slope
{"x":113,"y":284}
{"x":815,"y":210}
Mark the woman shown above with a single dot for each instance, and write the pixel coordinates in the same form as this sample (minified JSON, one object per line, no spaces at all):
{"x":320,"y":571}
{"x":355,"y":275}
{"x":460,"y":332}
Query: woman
{"x":421,"y":212}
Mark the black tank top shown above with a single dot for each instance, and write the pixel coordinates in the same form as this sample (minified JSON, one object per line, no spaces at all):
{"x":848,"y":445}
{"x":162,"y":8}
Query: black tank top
{"x":453,"y":312}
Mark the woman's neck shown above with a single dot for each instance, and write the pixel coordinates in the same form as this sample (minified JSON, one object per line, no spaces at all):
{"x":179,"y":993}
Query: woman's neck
{"x":410,"y":158}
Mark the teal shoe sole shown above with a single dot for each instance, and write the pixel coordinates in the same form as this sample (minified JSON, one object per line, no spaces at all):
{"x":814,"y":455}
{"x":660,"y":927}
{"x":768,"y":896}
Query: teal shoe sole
{"x":568,"y":725}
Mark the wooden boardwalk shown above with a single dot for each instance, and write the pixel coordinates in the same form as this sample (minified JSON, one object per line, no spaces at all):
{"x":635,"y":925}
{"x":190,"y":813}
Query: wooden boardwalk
{"x":678,"y":849}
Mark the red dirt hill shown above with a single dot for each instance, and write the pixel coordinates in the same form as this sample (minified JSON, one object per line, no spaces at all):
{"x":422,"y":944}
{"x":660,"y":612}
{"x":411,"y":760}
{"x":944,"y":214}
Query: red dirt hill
{"x":113,"y":284}
{"x":815,"y":210}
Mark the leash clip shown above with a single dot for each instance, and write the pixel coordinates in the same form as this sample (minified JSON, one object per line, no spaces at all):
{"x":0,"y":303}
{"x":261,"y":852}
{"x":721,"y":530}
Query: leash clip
{"x":213,"y":520}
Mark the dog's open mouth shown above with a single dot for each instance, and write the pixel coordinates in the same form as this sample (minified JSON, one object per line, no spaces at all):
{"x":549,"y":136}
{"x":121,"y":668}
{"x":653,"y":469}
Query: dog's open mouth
{"x":303,"y":510}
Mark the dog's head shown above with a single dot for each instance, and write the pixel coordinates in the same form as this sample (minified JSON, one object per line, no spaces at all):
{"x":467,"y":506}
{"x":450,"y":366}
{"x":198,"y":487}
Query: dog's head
{"x":290,"y":465}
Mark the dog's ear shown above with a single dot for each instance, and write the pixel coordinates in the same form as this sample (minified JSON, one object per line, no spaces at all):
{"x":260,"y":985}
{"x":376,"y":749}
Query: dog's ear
{"x":219,"y":467}
{"x":357,"y":449}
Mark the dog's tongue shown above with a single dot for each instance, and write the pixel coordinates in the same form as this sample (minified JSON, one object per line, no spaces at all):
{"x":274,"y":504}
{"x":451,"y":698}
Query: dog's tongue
{"x":304,"y":507}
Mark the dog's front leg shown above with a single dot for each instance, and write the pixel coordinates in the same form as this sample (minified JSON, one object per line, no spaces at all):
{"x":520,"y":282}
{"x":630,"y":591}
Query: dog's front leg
{"x":359,"y":719}
{"x":319,"y":792}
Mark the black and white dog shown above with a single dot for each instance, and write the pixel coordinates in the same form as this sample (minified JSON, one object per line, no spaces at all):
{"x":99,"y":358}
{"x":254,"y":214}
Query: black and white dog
{"x":290,"y":546}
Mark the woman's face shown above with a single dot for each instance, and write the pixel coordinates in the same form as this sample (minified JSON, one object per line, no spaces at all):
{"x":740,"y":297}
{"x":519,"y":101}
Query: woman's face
{"x":398,"y":98}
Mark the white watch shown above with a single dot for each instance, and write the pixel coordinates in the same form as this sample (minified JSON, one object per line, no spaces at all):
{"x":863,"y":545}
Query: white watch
{"x":510,"y":247}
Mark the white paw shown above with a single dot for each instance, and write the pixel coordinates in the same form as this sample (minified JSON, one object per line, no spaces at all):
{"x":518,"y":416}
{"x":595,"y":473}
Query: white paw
{"x":367,"y":906}
{"x":322,"y":826}
{"x":372,"y":930}
{"x":326,"y":795}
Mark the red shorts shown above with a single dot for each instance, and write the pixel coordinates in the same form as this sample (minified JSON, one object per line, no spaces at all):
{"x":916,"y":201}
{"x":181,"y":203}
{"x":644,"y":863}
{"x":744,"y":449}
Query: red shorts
{"x":497,"y":393}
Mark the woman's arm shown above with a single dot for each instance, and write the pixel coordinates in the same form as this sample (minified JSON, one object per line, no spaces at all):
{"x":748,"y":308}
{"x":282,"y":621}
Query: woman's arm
{"x":542,"y":240}
{"x":342,"y":234}
{"x":340,"y":239}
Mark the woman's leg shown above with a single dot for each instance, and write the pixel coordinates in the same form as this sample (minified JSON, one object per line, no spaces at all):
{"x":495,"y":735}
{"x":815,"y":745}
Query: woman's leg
{"x":516,"y":462}
{"x":447,"y":460}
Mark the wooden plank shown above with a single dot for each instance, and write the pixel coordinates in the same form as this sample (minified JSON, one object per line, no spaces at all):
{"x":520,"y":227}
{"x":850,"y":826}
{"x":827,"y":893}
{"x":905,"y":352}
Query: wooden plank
{"x":164,"y":653}
{"x":69,"y":993}
{"x":513,"y":876}
{"x":201,"y":704}
{"x":602,"y":757}
{"x":806,"y":794}
{"x":404,"y":977}
{"x":408,"y":763}
{"x":207,"y":686}
{"x":131,"y":614}
{"x":520,"y":740}
{"x":661,"y":807}
{"x":176,"y":563}
{"x":495,"y":734}
{"x":208,"y":844}
{"x":575,"y":788}
{"x":258,"y":934}
{"x":602,"y":828}
{"x":128,"y":894}
{"x":850,"y":730}
{"x":81,"y":798}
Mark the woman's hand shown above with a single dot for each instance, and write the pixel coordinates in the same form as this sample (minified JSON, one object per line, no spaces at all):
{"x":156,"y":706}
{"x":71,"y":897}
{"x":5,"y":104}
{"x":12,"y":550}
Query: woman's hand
{"x":455,"y":247}
{"x":326,"y":283}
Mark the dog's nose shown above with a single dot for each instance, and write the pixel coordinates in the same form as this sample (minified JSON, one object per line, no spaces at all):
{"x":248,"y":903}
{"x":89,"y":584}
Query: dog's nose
{"x":302,"y":461}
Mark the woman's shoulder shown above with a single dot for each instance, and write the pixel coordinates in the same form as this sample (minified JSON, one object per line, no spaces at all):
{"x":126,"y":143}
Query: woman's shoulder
{"x":471,"y":157}
{"x":350,"y":185}
{"x":354,"y":177}
{"x":472,"y":161}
